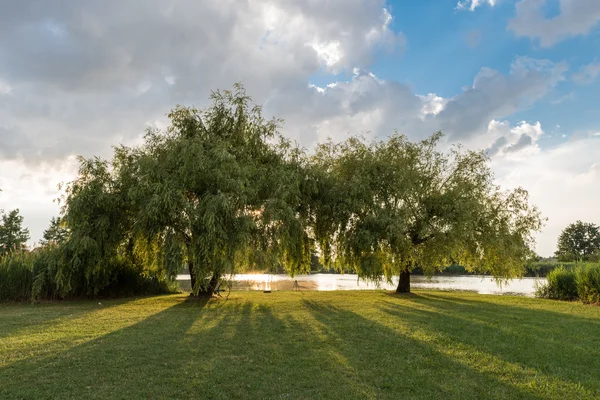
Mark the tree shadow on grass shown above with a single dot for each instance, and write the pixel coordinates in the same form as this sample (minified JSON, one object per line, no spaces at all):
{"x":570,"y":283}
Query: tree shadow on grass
{"x":563,"y":347}
{"x":201,"y":349}
{"x":258,"y":354}
{"x":134,"y":359}
{"x":22,"y":318}
{"x":399,"y":366}
{"x":250,"y":348}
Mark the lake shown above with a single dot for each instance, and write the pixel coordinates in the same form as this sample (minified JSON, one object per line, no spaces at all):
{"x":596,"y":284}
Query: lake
{"x":474,"y":283}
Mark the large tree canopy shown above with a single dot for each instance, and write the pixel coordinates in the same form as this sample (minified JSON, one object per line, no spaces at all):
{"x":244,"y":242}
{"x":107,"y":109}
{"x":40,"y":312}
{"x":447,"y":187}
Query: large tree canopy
{"x":391,"y":205}
{"x":222,"y":191}
{"x":580,"y":241}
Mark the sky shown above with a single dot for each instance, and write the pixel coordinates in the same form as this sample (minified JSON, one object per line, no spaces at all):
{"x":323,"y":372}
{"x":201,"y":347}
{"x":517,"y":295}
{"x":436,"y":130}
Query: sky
{"x":520,"y":79}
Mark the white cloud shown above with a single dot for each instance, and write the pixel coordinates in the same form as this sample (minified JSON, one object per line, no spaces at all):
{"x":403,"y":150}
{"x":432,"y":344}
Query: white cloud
{"x":71,"y":91}
{"x":514,"y":142}
{"x":330,"y":52}
{"x":432,"y":104}
{"x":471,"y":5}
{"x":567,"y":97}
{"x":34,"y":191}
{"x":564,"y":182}
{"x":587,"y":73}
{"x":576,"y":18}
{"x":389,"y":105}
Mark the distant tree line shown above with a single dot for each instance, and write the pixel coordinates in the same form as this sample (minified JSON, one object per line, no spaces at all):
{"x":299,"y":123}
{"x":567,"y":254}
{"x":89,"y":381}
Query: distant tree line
{"x":222,"y":191}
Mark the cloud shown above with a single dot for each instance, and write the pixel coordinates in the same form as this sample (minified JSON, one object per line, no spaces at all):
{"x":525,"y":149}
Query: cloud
{"x":576,"y":18}
{"x":517,"y":141}
{"x":471,"y":5}
{"x":368,"y":104}
{"x":494,"y":95}
{"x":13,"y":143}
{"x":567,"y":97}
{"x":563,"y":181}
{"x":587,"y":73}
{"x":79,"y":77}
{"x":72,"y":71}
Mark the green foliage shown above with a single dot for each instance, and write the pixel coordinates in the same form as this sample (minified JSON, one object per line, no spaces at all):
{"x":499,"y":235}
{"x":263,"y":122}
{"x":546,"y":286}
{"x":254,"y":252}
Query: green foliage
{"x":561,"y":284}
{"x":13,"y":236}
{"x":16,"y":276}
{"x":392,"y":205}
{"x":56,"y":233}
{"x":575,"y":281}
{"x":579,"y":241}
{"x":221,"y":190}
{"x":587,"y":279}
{"x":543,"y":268}
{"x":36,"y":275}
{"x":46,"y":264}
{"x":96,"y":212}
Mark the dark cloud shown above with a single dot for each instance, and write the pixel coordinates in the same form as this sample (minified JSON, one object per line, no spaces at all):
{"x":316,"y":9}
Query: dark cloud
{"x":13,"y":144}
{"x":497,"y":146}
{"x":523,"y":142}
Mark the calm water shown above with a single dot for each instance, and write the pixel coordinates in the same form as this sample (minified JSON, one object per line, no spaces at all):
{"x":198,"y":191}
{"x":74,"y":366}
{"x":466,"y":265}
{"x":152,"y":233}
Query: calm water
{"x":475,"y":283}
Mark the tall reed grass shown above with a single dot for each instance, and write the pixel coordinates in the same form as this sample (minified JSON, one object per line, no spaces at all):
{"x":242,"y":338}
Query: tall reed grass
{"x":44,"y":275}
{"x":16,"y":276}
{"x":580,"y":281}
{"x":588,"y":283}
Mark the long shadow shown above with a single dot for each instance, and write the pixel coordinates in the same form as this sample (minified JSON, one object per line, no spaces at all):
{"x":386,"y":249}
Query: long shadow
{"x":204,"y":349}
{"x":106,"y":367}
{"x":554,"y":344}
{"x":493,"y":302}
{"x":250,"y":348}
{"x":398,"y":366}
{"x":16,"y":318}
{"x":256,"y":354}
{"x":539,"y":322}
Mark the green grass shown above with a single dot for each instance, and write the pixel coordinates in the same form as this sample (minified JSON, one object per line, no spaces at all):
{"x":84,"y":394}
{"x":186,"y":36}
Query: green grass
{"x":291,"y":345}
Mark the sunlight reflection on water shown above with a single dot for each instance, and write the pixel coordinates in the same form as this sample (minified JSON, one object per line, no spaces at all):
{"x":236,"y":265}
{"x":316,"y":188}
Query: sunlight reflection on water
{"x":324,"y":282}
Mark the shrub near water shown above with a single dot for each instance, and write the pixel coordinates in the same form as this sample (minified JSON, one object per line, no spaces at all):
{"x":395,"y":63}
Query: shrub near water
{"x":16,"y":276}
{"x":587,"y":280}
{"x":561,"y":285}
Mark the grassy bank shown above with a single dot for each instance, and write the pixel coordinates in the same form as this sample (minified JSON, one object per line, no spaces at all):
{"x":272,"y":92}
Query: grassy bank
{"x":302,"y":345}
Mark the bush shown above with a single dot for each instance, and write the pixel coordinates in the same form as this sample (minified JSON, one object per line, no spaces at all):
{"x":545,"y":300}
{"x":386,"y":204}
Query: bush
{"x":588,"y":283}
{"x":44,"y":275}
{"x":561,"y":284}
{"x":16,"y":276}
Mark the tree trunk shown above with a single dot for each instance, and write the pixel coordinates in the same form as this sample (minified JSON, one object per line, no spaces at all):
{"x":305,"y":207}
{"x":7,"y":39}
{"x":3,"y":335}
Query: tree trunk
{"x":404,"y":282}
{"x":210,"y":290}
{"x":192,"y":275}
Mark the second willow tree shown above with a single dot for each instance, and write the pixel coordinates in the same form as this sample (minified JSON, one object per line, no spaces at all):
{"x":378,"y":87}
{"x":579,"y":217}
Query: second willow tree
{"x":392,"y":205}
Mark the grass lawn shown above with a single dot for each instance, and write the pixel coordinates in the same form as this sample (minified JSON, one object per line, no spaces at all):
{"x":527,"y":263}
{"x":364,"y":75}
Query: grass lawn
{"x":307,"y":345}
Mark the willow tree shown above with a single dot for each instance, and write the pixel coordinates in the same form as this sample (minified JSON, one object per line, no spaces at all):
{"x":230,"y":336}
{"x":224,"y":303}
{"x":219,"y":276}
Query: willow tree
{"x":392,"y":205}
{"x":221,"y":190}
{"x":96,"y":213}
